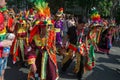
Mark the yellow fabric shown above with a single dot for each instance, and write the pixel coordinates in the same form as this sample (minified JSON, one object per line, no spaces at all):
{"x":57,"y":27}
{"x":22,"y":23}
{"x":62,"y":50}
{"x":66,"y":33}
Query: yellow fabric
{"x":37,"y":22}
{"x":67,"y":57}
{"x":39,"y":41}
{"x":3,"y":31}
{"x":77,"y":65}
{"x":57,"y":29}
{"x":21,"y":30}
{"x":31,"y":61}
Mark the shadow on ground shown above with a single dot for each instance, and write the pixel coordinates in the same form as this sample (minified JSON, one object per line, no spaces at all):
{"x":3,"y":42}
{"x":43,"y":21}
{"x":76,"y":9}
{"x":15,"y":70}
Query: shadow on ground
{"x":14,"y":72}
{"x":101,"y":72}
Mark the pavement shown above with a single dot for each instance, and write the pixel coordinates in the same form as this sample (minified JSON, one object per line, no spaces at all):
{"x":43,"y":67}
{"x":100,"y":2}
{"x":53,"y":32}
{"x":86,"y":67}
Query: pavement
{"x":107,"y":68}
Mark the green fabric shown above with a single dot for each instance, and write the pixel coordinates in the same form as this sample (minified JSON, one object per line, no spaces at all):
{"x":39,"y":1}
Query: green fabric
{"x":3,"y":9}
{"x":2,"y":37}
{"x":44,"y":64}
{"x":37,"y":52}
{"x":21,"y":42}
{"x":91,"y":55}
{"x":15,"y":47}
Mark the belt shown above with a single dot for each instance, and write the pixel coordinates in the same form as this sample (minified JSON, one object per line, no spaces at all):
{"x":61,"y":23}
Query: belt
{"x":72,"y":47}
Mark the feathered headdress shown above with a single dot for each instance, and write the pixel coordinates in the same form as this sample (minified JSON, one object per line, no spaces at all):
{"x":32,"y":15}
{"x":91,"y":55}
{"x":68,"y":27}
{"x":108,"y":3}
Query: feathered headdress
{"x":42,"y":8}
{"x":95,"y":16}
{"x":43,"y":12}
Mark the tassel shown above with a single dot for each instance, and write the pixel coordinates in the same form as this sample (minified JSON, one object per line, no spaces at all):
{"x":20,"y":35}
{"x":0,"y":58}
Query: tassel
{"x":15,"y":56}
{"x":22,"y":48}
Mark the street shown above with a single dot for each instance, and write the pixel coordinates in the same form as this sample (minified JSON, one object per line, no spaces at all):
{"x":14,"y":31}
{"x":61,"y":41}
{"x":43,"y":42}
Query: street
{"x":105,"y":69}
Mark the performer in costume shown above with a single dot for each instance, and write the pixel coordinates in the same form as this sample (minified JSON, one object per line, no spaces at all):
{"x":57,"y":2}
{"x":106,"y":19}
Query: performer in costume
{"x":76,"y":48}
{"x":105,"y":43}
{"x":42,"y":51}
{"x":3,"y":42}
{"x":59,"y":26}
{"x":21,"y":41}
{"x":59,"y":29}
{"x":93,"y":38}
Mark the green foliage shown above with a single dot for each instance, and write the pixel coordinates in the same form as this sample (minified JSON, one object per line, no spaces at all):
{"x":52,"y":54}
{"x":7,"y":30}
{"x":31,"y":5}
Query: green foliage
{"x":10,"y":2}
{"x":104,"y":7}
{"x":55,"y":5}
{"x":118,"y":15}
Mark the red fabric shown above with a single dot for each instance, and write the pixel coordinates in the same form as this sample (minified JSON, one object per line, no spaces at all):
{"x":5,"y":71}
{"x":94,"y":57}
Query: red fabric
{"x":72,"y":47}
{"x":31,"y":11}
{"x":88,"y":67}
{"x":32,"y":33}
{"x":21,"y":21}
{"x":53,"y":21}
{"x":51,"y":38}
{"x":93,"y":64}
{"x":15,"y":56}
{"x":1,"y":51}
{"x":42,"y":25}
{"x":61,"y":9}
{"x":12,"y":47}
{"x":10,"y":22}
{"x":1,"y":18}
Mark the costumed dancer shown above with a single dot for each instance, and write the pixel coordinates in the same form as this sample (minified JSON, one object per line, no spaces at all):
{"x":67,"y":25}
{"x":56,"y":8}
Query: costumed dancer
{"x":21,"y":41}
{"x":106,"y":39}
{"x":76,"y":48}
{"x":93,"y":38}
{"x":42,"y":50}
{"x":3,"y":42}
{"x":59,"y":27}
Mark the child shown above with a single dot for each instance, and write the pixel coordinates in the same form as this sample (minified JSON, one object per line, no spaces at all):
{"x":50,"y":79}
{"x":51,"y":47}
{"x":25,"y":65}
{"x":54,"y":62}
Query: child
{"x":5,"y":54}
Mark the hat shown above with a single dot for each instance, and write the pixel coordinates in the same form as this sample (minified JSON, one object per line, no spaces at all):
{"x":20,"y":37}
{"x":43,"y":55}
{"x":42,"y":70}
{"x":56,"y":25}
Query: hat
{"x":97,"y":25}
{"x":60,"y":12}
{"x":95,"y":16}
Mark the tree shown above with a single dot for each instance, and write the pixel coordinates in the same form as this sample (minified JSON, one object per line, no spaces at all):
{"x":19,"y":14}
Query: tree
{"x":118,"y":15}
{"x":105,"y":7}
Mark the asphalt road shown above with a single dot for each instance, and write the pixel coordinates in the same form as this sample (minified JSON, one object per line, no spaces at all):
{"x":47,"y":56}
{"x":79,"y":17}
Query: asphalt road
{"x":105,"y":69}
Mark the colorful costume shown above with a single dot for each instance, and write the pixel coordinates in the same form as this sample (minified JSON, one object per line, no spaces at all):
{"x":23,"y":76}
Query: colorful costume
{"x":59,"y":27}
{"x":3,"y":61}
{"x":42,"y":53}
{"x":76,"y":49}
{"x":105,"y":43}
{"x":21,"y":41}
{"x":93,"y":38}
{"x":4,"y":51}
